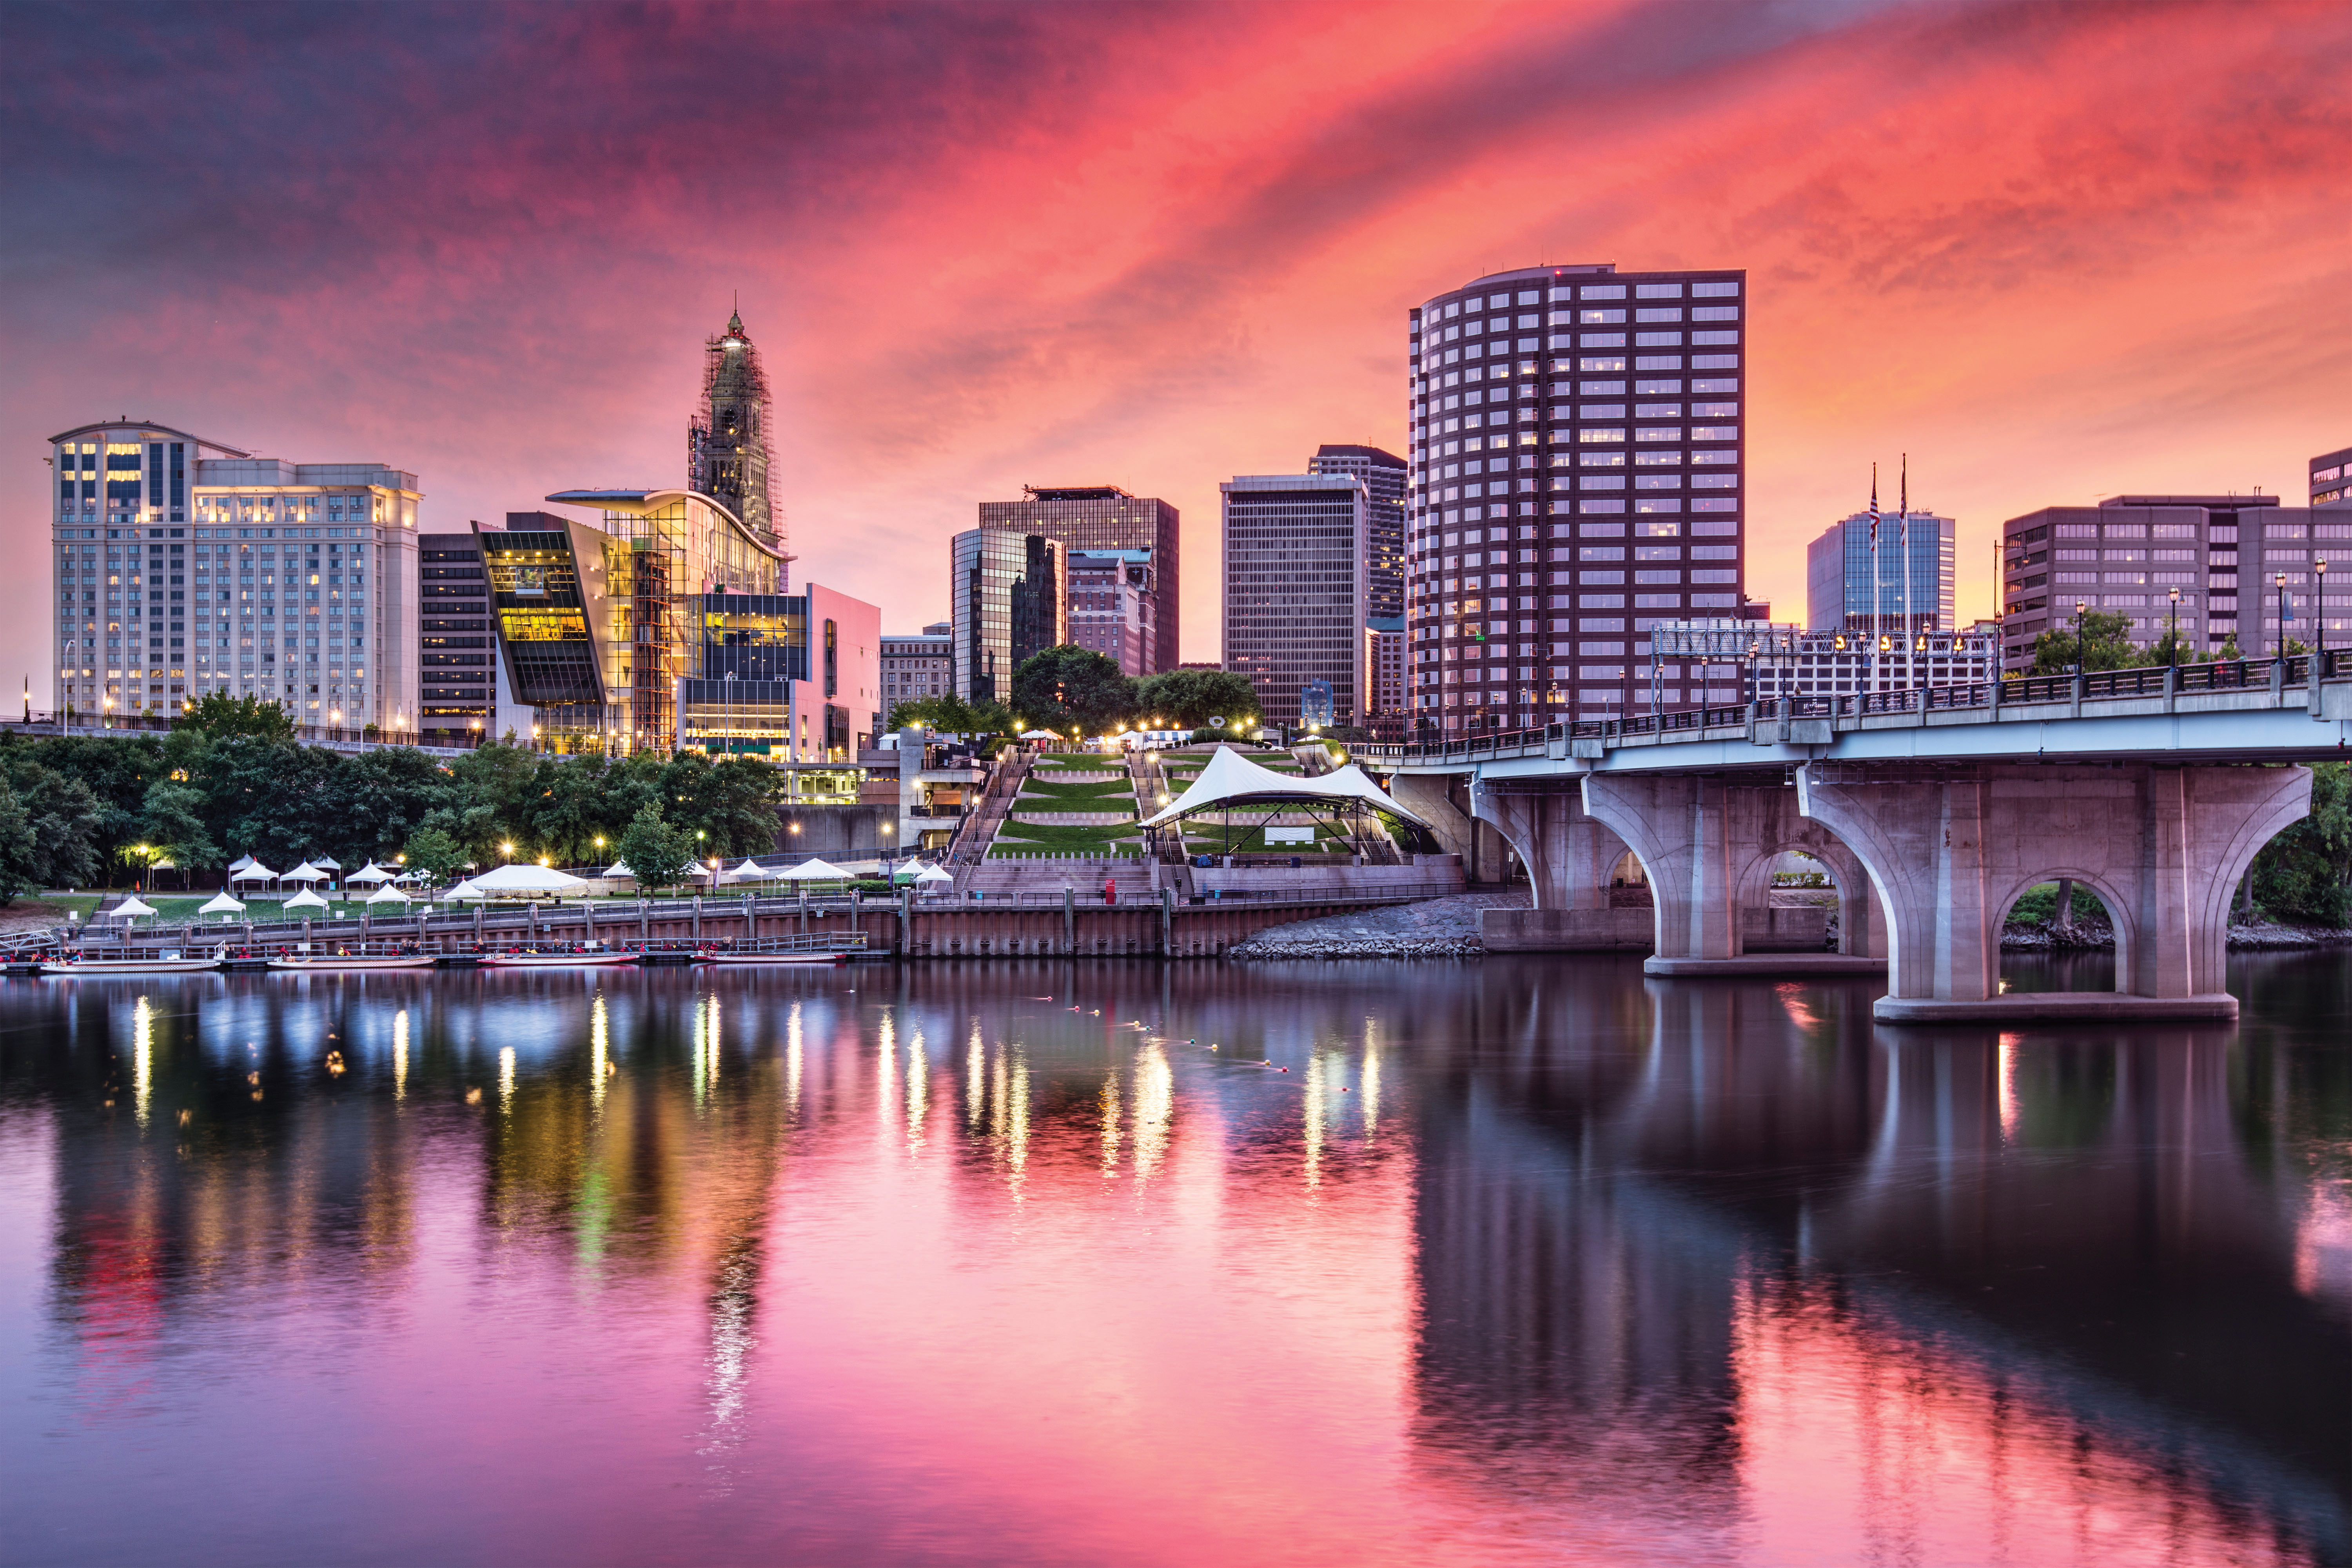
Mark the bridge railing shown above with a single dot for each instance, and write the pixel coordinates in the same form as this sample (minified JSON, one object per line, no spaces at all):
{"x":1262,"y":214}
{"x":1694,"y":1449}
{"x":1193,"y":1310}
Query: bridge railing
{"x":2142,"y":681}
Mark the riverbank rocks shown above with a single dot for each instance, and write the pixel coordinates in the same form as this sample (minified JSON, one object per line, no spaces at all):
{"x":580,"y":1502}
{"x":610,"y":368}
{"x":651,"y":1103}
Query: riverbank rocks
{"x":2098,"y":936}
{"x":1361,"y":947}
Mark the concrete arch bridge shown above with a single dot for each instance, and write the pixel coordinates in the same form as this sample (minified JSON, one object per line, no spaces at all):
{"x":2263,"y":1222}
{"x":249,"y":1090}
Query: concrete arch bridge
{"x":1933,"y":810}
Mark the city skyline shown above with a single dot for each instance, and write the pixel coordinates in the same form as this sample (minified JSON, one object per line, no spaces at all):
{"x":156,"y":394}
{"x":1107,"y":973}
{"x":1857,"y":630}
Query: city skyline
{"x":1981,"y":285}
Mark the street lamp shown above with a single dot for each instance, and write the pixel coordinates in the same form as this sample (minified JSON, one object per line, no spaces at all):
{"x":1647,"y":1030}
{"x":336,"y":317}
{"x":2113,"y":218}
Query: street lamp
{"x":2173,"y":637}
{"x":2281,"y":601}
{"x":2081,"y":652}
{"x":2319,"y":607}
{"x":506,"y":849}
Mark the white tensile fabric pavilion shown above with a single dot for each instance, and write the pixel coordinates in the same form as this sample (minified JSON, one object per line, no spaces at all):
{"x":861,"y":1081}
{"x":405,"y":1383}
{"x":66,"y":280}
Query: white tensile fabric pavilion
{"x":1231,"y":780}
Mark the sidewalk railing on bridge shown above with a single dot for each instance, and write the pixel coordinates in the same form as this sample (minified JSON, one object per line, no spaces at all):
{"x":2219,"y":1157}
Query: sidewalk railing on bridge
{"x":2147,"y":680}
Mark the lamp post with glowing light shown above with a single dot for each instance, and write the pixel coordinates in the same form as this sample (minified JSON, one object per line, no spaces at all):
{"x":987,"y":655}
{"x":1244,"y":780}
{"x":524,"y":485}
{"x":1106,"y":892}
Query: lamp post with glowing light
{"x":2282,"y":603}
{"x":2320,"y":611}
{"x":2082,"y":650}
{"x":2173,"y":636}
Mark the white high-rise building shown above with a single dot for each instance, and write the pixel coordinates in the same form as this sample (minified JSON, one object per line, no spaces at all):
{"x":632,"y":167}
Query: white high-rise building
{"x":185,"y":567}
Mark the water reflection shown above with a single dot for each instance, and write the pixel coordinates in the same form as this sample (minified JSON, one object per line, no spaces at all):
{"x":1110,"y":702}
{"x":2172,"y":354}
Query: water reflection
{"x":1127,"y":1263}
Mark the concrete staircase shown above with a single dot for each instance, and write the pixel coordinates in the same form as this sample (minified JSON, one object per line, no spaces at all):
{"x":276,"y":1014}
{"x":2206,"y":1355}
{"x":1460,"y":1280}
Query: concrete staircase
{"x":1002,"y":878}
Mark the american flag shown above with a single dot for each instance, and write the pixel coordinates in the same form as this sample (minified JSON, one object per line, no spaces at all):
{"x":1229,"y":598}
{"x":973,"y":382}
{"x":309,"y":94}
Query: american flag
{"x":1873,"y":506}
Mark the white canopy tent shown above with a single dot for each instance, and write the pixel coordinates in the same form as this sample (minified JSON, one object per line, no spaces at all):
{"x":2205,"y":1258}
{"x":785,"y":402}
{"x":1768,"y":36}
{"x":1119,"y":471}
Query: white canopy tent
{"x":514,"y":880}
{"x":462,"y":892}
{"x":1039,"y":735}
{"x":934,"y":874}
{"x":306,"y":899}
{"x":129,"y":908}
{"x":305,"y":872}
{"x":221,"y":904}
{"x":813,"y":871}
{"x":387,"y":894}
{"x":253,"y":871}
{"x":750,"y":870}
{"x":1231,"y":779}
{"x":618,"y":871}
{"x":371,"y":872}
{"x":326,"y":863}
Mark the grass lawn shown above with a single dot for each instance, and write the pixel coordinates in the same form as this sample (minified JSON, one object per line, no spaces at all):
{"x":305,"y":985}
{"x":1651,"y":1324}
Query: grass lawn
{"x":1076,"y":793}
{"x":1028,"y":838}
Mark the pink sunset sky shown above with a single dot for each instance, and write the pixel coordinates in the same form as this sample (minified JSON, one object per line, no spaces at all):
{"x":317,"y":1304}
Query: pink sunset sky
{"x":2052,"y":251}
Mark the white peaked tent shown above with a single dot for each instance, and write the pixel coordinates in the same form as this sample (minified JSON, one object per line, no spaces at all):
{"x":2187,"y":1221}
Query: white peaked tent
{"x":305,"y":872}
{"x":327,"y":863}
{"x":1039,"y":735}
{"x":240,"y":864}
{"x":516,"y":879}
{"x":750,"y":870}
{"x":129,"y":908}
{"x":387,"y":894}
{"x":254,"y":871}
{"x":618,"y":871}
{"x":464,"y":890}
{"x":371,"y":872}
{"x":813,"y":871}
{"x":221,"y":904}
{"x":306,"y":899}
{"x":1231,"y":779}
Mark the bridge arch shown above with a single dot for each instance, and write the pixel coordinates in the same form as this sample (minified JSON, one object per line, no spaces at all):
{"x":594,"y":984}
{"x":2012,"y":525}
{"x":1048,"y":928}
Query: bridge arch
{"x":2120,"y":914}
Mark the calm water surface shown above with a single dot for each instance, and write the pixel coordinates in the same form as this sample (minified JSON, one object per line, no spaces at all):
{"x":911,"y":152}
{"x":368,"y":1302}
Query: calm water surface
{"x":1523,"y":1261}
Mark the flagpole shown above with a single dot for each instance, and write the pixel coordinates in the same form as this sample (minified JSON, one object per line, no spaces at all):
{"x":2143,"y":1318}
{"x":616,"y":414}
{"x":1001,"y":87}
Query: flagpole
{"x":1902,"y":534}
{"x":1875,"y":629}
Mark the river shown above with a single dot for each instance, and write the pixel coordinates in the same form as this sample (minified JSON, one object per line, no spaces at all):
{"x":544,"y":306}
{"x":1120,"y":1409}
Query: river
{"x":1520,"y":1260}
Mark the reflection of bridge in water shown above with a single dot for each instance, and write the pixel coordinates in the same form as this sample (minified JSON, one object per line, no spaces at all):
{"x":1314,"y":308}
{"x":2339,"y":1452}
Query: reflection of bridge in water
{"x":1663,"y":1260}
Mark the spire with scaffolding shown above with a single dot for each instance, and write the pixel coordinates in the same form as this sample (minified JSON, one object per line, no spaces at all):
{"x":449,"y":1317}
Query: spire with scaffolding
{"x":729,"y":452}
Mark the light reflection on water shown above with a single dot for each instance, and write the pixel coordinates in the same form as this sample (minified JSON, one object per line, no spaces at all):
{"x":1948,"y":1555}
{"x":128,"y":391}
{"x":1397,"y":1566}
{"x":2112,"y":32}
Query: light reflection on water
{"x":1525,"y":1260}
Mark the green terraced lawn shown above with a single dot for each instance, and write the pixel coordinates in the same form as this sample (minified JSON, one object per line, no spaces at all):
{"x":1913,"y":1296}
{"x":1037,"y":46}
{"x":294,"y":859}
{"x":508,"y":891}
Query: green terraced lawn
{"x":1119,"y":790}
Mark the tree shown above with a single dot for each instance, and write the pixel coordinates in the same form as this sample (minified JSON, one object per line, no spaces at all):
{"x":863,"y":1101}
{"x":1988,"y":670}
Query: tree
{"x":1070,"y":687}
{"x":218,"y":713}
{"x":1188,"y":699}
{"x":656,"y":853}
{"x":2305,"y":873}
{"x":434,"y":852}
{"x":2104,"y":643}
{"x":172,"y":823}
{"x":59,"y":845}
{"x":731,"y":802}
{"x":951,"y":715}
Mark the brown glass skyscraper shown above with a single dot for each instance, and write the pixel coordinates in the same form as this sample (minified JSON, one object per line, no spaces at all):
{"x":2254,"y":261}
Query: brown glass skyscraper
{"x":1099,"y":518}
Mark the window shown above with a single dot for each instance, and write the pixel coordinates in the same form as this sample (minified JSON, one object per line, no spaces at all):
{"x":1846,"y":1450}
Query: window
{"x":1602,"y":291}
{"x":1715,"y":410}
{"x":1721,"y":290}
{"x":1658,"y":313}
{"x":1601,"y":434}
{"x":1658,"y":291}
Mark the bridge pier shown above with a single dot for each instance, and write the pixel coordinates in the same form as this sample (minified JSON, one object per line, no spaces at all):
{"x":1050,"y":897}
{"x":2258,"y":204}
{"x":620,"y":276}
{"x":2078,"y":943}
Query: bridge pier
{"x":1568,"y":853}
{"x":1951,"y":846}
{"x":1433,"y":798}
{"x":1708,"y":847}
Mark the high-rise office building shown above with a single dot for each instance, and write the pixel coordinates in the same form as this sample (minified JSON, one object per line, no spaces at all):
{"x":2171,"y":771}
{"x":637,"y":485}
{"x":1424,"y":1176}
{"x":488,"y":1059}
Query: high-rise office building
{"x":179,"y":573}
{"x":1913,"y":558}
{"x":457,"y":660}
{"x":1110,"y":606}
{"x":2331,"y":478}
{"x":1297,"y":584}
{"x":919,"y":664}
{"x":1577,"y":445}
{"x":2231,"y":560}
{"x":1384,"y":669}
{"x":1103,"y":516}
{"x":1383,"y":474}
{"x":727,"y":449}
{"x":1011,"y":594}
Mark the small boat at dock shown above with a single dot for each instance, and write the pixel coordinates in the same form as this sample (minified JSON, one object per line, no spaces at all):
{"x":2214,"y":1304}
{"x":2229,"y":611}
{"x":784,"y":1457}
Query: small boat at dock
{"x":356,"y":962}
{"x":554,"y":959}
{"x":168,"y":962}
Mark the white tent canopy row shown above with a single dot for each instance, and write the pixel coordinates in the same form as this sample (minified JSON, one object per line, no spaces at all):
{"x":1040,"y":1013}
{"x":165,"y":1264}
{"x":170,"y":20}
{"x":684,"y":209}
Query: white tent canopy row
{"x":1231,"y":779}
{"x":371,"y":872}
{"x":221,"y":904}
